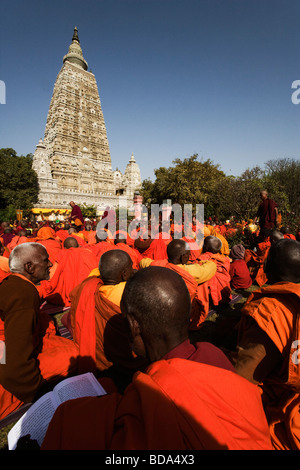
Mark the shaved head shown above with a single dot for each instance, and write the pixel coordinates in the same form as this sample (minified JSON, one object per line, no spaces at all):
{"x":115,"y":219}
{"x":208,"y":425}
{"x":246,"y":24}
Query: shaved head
{"x":212,"y":244}
{"x":275,"y":236}
{"x":158,"y":300}
{"x":71,"y":242}
{"x":283,"y":261}
{"x":178,"y":251}
{"x":115,"y":266}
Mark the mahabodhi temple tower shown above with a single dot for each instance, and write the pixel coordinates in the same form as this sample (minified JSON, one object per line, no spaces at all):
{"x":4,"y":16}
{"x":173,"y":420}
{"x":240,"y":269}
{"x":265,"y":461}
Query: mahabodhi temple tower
{"x":73,"y":160}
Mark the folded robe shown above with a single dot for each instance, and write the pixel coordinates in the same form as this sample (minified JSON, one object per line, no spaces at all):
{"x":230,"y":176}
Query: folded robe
{"x":219,"y":284}
{"x":176,"y":405}
{"x":276,"y":309}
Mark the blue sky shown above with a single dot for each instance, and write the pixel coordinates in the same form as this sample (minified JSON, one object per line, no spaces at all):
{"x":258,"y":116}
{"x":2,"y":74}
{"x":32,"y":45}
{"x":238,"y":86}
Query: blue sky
{"x":175,"y":77}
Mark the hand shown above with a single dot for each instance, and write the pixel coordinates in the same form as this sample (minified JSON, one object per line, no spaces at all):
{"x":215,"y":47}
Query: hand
{"x":25,"y":443}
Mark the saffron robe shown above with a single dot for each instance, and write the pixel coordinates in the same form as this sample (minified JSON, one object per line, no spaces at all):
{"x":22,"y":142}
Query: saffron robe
{"x":34,"y":352}
{"x":219,"y":284}
{"x":196,"y":278}
{"x":98,"y":328}
{"x":176,"y":405}
{"x":275,"y":311}
{"x":74,"y":265}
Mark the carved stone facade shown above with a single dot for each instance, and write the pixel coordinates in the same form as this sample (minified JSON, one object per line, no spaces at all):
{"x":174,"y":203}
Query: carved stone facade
{"x":73,"y":160}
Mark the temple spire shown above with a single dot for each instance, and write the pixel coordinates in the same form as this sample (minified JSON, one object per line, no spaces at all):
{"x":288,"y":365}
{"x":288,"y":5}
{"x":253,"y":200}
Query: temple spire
{"x":74,"y":54}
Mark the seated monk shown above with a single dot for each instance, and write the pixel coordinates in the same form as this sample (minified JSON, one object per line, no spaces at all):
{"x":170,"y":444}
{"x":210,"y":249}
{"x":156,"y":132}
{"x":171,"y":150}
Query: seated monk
{"x":97,"y":326}
{"x":70,"y":242}
{"x":196,"y":277}
{"x":188,"y":398}
{"x":73,"y":266}
{"x":35,"y":355}
{"x":256,"y":261}
{"x":219,"y":285}
{"x":268,"y":343}
{"x":287,"y":233}
{"x":46,"y":237}
{"x":4,"y":266}
{"x":134,"y":254}
{"x":239,"y":272}
{"x":73,"y":232}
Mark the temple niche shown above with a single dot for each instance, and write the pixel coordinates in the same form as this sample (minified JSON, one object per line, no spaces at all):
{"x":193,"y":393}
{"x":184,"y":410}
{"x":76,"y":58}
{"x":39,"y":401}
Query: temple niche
{"x":73,"y":161}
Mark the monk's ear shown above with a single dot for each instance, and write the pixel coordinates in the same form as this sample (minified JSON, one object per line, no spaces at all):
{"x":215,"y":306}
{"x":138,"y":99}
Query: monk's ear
{"x":134,"y":326}
{"x":28,"y":267}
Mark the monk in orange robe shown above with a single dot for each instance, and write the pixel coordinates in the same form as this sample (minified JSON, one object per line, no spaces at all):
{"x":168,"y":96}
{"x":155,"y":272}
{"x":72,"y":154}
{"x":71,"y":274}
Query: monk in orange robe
{"x":268,"y":343}
{"x":46,"y":237}
{"x":121,"y":244}
{"x":220,"y":289}
{"x":74,"y":265}
{"x":176,"y":403}
{"x":196,"y":277}
{"x":96,"y":323}
{"x":35,"y":356}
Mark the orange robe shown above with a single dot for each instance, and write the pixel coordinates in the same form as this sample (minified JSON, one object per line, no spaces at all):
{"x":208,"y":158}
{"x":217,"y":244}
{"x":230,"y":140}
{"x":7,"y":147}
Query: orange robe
{"x":219,"y":284}
{"x":133,"y":253}
{"x":157,"y":250}
{"x":255,"y":262}
{"x":199,"y":293}
{"x":176,"y":405}
{"x":276,"y":309}
{"x":74,"y":265}
{"x":99,"y":330}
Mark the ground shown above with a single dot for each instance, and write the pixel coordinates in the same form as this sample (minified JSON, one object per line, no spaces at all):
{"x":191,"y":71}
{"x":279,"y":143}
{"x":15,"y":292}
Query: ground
{"x":218,"y":329}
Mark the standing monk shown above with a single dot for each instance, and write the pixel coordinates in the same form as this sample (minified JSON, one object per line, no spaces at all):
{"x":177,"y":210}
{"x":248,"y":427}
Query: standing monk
{"x":267,"y":214}
{"x":268,"y":343}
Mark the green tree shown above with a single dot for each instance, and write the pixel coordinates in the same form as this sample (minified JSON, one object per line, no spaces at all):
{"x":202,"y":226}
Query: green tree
{"x":189,"y":181}
{"x":18,"y":183}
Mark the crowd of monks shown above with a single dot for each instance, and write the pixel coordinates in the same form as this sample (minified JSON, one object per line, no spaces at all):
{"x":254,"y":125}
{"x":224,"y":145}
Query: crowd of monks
{"x":93,"y":279}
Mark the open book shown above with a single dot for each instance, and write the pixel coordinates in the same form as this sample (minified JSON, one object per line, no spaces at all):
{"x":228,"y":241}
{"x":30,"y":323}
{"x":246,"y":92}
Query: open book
{"x":36,"y":420}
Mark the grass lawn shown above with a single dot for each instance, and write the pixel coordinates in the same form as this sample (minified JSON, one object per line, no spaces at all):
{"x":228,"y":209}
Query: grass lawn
{"x":218,"y":329}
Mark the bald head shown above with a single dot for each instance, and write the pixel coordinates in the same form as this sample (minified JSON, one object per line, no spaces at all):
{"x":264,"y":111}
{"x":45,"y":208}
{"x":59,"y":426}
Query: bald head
{"x":264,"y":194}
{"x":283,"y":262}
{"x":178,"y":252}
{"x":212,"y":244}
{"x":115,"y":266}
{"x":71,"y":242}
{"x":275,"y":236}
{"x":31,"y":260}
{"x":157,"y":305}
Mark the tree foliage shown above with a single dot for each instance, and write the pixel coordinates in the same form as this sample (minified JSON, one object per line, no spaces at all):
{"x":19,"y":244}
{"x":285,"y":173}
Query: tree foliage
{"x":190,"y":181}
{"x":18,"y":183}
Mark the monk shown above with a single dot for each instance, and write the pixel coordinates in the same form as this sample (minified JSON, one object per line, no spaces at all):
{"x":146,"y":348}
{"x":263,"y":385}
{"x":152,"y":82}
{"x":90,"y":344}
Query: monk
{"x":98,"y":329}
{"x":4,"y":265}
{"x":74,"y":265}
{"x":267,"y":213}
{"x":220,"y":289}
{"x":239,"y":272}
{"x":196,"y":277}
{"x":121,"y":244}
{"x":256,"y":260}
{"x":268,"y":343}
{"x":176,"y":403}
{"x":35,"y":355}
{"x":76,"y":214}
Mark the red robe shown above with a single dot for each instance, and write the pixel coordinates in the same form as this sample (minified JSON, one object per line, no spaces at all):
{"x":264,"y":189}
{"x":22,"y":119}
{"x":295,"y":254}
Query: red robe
{"x":219,"y":284}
